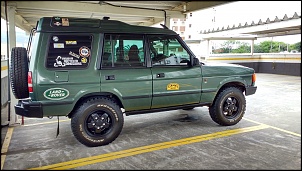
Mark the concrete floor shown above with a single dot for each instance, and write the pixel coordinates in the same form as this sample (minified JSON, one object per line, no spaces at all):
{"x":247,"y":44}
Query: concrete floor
{"x":268,"y":137}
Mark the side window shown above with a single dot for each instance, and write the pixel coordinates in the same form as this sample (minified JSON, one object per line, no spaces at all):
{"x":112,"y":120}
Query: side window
{"x":167,"y":50}
{"x":70,"y":51}
{"x":123,"y":51}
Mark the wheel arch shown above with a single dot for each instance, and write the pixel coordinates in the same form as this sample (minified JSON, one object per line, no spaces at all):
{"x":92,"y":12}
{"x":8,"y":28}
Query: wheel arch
{"x":94,"y":95}
{"x":238,"y":84}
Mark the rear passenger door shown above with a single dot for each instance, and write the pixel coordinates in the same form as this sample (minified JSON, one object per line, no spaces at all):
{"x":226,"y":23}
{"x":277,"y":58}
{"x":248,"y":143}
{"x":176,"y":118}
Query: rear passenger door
{"x":175,"y":81}
{"x":129,"y":80}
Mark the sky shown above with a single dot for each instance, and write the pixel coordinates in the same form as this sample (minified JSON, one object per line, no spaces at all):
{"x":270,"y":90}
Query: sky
{"x":238,"y":12}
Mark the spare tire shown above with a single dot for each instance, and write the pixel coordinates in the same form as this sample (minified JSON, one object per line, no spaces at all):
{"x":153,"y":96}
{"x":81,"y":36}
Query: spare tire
{"x":18,"y":72}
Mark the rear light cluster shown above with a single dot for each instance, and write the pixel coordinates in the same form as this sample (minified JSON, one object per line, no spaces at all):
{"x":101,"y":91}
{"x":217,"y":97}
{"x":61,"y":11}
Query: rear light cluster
{"x":30,"y":82}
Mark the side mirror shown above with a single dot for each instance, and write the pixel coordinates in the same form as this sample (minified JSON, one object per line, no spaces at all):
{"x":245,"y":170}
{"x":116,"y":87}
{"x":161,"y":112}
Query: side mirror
{"x":196,"y":62}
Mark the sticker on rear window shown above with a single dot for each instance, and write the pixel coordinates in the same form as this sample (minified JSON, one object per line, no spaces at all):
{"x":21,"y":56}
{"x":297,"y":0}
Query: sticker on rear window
{"x":58,"y":45}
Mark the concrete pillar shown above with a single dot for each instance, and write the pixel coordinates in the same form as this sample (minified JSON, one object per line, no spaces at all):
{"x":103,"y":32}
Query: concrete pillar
{"x":252,"y":48}
{"x":168,"y":21}
{"x":12,"y":43}
{"x":208,"y":49}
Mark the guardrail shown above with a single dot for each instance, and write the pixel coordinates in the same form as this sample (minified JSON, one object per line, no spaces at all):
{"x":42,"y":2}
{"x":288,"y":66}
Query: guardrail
{"x":273,"y":63}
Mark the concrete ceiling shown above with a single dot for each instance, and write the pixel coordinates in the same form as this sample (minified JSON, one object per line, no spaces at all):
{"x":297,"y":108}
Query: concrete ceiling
{"x":133,"y":12}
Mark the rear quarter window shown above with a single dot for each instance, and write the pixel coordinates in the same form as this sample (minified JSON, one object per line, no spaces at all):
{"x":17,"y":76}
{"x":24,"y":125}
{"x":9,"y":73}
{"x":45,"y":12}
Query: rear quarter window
{"x":69,"y":51}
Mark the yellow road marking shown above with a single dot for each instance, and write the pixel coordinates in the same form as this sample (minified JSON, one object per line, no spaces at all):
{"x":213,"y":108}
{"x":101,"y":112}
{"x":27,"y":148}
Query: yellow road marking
{"x":4,"y":68}
{"x":5,"y":145}
{"x":283,"y":130}
{"x":144,"y":149}
{"x":47,"y":122}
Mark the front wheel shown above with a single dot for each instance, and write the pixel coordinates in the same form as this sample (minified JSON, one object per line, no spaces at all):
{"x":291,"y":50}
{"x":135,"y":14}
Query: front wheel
{"x":98,"y":121}
{"x":228,"y":107}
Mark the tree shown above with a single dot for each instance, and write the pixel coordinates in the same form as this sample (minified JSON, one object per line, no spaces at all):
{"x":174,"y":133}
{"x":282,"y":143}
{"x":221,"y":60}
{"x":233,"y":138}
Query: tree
{"x":296,"y":46}
{"x":243,"y":48}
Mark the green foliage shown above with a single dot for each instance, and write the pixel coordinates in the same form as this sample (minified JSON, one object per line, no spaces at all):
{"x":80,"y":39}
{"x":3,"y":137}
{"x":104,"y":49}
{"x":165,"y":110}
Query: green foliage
{"x":232,"y":46}
{"x":296,"y":46}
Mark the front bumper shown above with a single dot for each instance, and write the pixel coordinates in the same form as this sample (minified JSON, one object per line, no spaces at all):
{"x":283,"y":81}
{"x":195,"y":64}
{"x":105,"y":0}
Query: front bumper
{"x":249,"y":90}
{"x":29,"y":108}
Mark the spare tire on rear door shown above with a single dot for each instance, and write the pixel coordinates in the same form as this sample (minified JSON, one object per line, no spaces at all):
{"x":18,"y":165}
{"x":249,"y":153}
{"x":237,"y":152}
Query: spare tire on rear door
{"x":18,"y":72}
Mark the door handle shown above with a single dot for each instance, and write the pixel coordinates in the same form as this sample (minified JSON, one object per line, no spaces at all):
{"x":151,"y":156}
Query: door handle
{"x":160,"y":75}
{"x":109,"y":77}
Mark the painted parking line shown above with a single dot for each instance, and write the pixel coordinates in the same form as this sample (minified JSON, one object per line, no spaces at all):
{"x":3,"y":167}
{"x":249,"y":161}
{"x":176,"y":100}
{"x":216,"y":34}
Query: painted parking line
{"x":42,"y":123}
{"x":145,"y":149}
{"x":283,"y":130}
{"x":5,"y":145}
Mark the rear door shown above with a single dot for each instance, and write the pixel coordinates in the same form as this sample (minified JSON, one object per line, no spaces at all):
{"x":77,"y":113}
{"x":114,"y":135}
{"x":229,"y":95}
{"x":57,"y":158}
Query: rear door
{"x":66,"y":69}
{"x":129,"y":80}
{"x":175,"y":81}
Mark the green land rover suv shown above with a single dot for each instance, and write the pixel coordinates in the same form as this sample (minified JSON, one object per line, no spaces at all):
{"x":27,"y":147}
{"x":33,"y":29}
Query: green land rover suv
{"x":95,"y":71}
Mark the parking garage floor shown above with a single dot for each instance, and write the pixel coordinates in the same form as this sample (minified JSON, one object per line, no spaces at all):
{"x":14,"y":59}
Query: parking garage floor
{"x":268,"y":137}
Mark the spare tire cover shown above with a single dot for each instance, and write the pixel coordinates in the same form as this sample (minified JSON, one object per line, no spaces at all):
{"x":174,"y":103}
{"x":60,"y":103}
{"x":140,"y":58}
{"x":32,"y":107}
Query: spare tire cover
{"x":18,"y":72}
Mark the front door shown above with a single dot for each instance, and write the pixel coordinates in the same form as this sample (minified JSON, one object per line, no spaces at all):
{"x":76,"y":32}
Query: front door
{"x":175,"y":81}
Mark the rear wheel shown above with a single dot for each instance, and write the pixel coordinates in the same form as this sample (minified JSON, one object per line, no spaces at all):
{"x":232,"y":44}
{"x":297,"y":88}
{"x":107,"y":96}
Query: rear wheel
{"x":228,"y":107}
{"x":18,"y":72}
{"x":97,"y":122}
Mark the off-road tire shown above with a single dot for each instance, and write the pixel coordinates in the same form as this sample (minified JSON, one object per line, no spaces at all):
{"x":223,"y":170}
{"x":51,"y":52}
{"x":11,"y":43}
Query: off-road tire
{"x":228,"y":107}
{"x":97,"y":122}
{"x":18,"y":72}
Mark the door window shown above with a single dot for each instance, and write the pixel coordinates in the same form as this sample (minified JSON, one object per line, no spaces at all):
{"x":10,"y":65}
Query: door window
{"x":167,"y":50}
{"x":123,"y":51}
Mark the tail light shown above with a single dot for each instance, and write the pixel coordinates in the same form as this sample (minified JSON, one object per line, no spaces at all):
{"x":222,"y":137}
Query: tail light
{"x":30,"y":82}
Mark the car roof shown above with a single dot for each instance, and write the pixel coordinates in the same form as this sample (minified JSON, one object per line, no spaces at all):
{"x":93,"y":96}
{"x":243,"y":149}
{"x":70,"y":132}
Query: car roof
{"x":68,"y":24}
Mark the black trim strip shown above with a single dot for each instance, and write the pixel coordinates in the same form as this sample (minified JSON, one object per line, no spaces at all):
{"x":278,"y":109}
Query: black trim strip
{"x":166,"y":108}
{"x":176,"y":93}
{"x":136,"y":97}
{"x":57,"y":103}
{"x":208,"y":91}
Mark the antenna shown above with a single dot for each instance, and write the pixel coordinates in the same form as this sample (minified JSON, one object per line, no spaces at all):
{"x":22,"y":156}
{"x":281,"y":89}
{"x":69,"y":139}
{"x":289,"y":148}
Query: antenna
{"x":164,"y":26}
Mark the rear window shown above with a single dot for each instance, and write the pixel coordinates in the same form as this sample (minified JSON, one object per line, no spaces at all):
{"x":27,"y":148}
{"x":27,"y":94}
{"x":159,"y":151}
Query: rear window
{"x":69,"y":51}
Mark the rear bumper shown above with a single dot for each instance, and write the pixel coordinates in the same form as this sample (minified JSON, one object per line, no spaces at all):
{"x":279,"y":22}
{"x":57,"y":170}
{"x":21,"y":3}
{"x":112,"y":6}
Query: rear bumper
{"x":28,"y":108}
{"x":249,"y":90}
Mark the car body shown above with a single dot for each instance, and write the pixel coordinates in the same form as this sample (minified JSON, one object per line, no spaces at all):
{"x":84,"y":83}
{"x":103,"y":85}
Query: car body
{"x":94,"y":71}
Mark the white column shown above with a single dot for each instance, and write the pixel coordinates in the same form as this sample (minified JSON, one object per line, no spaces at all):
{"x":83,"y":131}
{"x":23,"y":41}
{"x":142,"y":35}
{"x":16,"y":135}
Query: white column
{"x":252,"y":48}
{"x":168,"y":21}
{"x":12,"y":43}
{"x":208,"y":49}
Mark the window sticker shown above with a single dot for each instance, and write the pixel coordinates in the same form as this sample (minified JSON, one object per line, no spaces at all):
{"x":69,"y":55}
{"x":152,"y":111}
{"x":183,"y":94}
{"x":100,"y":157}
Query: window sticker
{"x":58,"y":45}
{"x":173,"y":86}
{"x":66,"y":61}
{"x":84,"y":51}
{"x":74,"y":54}
{"x":65,"y":22}
{"x":84,"y":60}
{"x":55,"y":38}
{"x":57,"y":23}
{"x":70,"y":42}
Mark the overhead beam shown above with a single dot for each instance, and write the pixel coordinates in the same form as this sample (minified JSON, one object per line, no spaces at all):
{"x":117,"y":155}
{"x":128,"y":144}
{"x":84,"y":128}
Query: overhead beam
{"x":74,"y":6}
{"x":19,"y":21}
{"x":200,"y":5}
